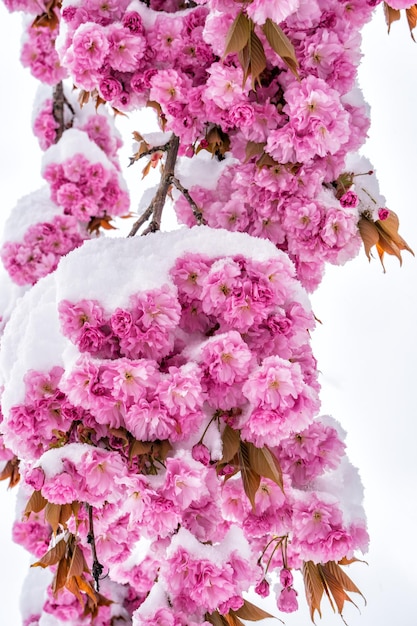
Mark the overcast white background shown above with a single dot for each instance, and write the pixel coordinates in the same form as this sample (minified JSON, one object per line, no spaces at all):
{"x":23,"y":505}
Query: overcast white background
{"x":365,"y":347}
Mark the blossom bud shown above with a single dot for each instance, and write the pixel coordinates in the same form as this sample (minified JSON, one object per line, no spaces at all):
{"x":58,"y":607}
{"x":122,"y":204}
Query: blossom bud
{"x":201,"y":453}
{"x":262,"y":588}
{"x":383,"y":213}
{"x":287,"y":600}
{"x":285,"y":577}
{"x":35,"y":478}
{"x":349,"y":200}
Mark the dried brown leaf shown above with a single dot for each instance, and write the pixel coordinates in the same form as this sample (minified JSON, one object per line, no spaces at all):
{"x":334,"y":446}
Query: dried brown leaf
{"x":138,"y":448}
{"x":257,"y":59}
{"x":11,"y":472}
{"x":53,"y":556}
{"x":216,"y":619}
{"x":335,"y":588}
{"x":333,"y":568}
{"x":60,"y":577}
{"x":35,"y":504}
{"x":391,"y":15}
{"x":265,"y":463}
{"x":253,"y":149}
{"x":238,"y":35}
{"x":52,"y":515}
{"x":77,"y":564}
{"x":231,"y":619}
{"x":85,"y":586}
{"x":369,"y":234}
{"x":412,"y":19}
{"x":314,"y":587}
{"x":251,"y":612}
{"x":266,"y":161}
{"x":65,"y":514}
{"x":250,"y":479}
{"x":231,"y":441}
{"x":279,"y":42}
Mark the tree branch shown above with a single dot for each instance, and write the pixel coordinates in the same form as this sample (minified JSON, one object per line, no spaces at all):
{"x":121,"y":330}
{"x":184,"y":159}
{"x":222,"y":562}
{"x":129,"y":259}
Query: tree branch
{"x":58,"y":109}
{"x":97,"y":568}
{"x":196,"y":211}
{"x":156,"y":207}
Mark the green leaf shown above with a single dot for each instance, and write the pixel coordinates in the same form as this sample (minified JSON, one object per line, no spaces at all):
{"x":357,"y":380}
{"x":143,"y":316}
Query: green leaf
{"x":279,"y":42}
{"x":238,"y":34}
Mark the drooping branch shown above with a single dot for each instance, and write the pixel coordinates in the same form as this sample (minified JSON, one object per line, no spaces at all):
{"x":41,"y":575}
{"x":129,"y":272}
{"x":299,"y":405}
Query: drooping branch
{"x":97,"y":568}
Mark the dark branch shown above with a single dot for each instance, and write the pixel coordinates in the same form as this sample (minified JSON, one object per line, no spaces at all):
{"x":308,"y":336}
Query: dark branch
{"x":58,"y":109}
{"x":97,"y":568}
{"x":196,"y":211}
{"x":156,"y":207}
{"x":149,"y":152}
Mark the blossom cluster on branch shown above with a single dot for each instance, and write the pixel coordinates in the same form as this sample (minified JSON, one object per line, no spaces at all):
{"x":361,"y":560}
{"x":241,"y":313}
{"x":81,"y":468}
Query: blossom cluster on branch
{"x":160,"y":397}
{"x":184,"y":413}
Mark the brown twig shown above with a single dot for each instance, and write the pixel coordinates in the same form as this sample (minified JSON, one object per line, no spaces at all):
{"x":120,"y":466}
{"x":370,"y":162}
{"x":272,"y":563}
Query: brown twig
{"x":196,"y":211}
{"x":58,"y":109}
{"x":97,"y":568}
{"x":149,"y":152}
{"x":156,"y":207}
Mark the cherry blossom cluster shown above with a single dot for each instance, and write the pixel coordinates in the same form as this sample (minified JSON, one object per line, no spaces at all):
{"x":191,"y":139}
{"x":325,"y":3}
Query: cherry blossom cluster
{"x":96,"y":122}
{"x":36,"y":236}
{"x":134,"y":401}
{"x":85,"y":182}
{"x":82,"y":180}
{"x":39,"y":54}
{"x":290,"y":136}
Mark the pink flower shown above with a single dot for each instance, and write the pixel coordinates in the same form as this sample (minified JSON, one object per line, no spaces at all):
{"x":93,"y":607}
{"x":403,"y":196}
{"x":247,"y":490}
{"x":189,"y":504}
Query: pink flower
{"x":262,"y":588}
{"x":287,"y":600}
{"x":383,"y":214}
{"x":349,"y":199}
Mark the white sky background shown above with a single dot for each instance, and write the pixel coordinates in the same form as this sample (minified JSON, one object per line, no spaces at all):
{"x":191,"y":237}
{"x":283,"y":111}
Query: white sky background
{"x":365,"y":347}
